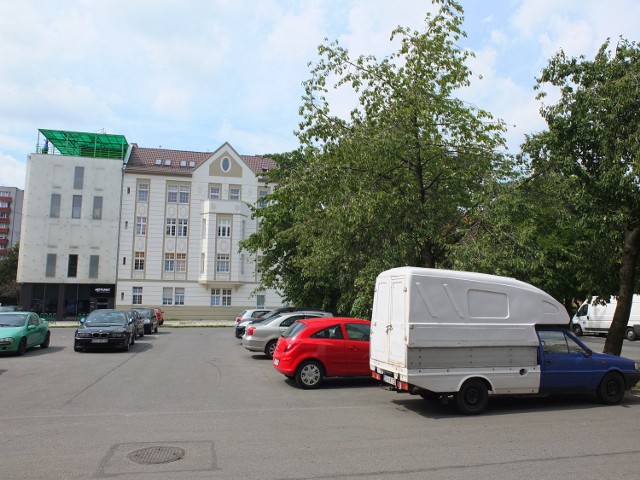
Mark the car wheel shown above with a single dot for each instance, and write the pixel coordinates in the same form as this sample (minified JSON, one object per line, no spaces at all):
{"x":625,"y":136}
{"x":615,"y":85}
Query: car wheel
{"x":270,"y":349}
{"x":77,"y":347}
{"x":141,"y":333}
{"x":22,"y":347}
{"x":577,"y":330}
{"x":309,"y":374}
{"x":133,"y":338}
{"x":630,"y":335}
{"x":126,"y":345}
{"x":47,"y":339}
{"x":611,"y":389}
{"x":473,"y":397}
{"x":156,"y":329}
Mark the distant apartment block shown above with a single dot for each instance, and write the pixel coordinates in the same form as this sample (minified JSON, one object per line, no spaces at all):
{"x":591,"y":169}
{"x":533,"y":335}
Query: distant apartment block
{"x":110,"y":224}
{"x":11,"y":199}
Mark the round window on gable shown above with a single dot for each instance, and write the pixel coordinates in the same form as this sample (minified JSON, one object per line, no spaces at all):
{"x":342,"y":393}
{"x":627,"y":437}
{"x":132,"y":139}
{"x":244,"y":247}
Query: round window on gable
{"x":226,"y":164}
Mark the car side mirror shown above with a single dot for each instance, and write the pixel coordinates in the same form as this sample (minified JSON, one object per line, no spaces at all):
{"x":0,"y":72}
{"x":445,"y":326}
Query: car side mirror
{"x":82,"y":321}
{"x":588,"y":352}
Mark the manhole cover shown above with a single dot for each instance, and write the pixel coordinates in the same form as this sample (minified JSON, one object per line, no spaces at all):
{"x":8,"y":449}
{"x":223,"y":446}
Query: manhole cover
{"x":155,"y":455}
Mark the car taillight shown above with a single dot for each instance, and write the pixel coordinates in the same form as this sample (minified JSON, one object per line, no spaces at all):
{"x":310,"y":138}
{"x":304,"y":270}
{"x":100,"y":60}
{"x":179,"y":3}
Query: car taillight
{"x":251,"y":330}
{"x":290,"y":346}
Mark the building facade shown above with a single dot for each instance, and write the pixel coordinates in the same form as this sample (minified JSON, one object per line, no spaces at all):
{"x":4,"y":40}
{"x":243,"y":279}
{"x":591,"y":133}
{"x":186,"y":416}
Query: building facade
{"x":11,"y":199}
{"x":69,"y":241}
{"x":183,"y":216}
{"x":121,"y":226}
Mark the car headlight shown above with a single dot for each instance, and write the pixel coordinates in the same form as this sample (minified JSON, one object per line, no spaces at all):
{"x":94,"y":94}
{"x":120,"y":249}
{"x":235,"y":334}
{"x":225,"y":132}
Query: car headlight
{"x":83,"y":335}
{"x":147,"y":320}
{"x":637,"y":367}
{"x":118,"y":335}
{"x":6,"y":341}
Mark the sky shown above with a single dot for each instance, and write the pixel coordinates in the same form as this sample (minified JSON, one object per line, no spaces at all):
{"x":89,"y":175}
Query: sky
{"x":194,"y":74}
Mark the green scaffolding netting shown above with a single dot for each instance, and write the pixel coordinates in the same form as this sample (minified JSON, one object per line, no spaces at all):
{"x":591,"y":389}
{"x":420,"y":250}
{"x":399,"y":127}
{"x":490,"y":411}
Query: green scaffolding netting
{"x":83,"y":144}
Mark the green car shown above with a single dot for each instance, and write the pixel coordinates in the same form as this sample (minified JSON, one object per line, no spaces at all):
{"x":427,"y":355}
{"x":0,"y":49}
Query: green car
{"x":22,"y":330}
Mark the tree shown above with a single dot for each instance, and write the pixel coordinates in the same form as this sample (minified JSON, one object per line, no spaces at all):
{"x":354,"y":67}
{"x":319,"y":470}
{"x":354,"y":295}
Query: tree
{"x":593,"y":139}
{"x":9,"y":288}
{"x":395,"y":183}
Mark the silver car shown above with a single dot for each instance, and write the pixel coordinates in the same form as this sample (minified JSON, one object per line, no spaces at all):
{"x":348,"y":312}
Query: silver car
{"x":262,"y":337}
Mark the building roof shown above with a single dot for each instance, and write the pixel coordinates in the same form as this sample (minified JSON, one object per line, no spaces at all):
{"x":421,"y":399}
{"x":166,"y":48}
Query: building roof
{"x":181,"y":162}
{"x":85,"y":144}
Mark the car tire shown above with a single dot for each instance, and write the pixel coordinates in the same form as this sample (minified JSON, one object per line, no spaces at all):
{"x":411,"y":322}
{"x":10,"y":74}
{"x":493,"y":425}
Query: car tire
{"x":156,"y":329}
{"x":611,"y":389}
{"x":47,"y":339}
{"x":133,"y":338}
{"x":141,"y":333}
{"x":473,"y":397}
{"x":309,"y":374}
{"x":22,"y":347}
{"x":77,"y":348}
{"x":125,"y":348}
{"x":270,"y":349}
{"x":630,"y":335}
{"x":577,"y":330}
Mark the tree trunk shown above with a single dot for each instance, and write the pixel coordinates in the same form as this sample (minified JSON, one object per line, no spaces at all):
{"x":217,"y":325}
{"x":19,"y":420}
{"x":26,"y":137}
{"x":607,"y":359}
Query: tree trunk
{"x":613,"y":344}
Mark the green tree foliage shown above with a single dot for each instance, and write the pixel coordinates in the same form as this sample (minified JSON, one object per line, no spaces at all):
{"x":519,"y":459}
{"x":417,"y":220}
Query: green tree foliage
{"x":394,"y":184}
{"x":9,"y":288}
{"x":593,"y":141}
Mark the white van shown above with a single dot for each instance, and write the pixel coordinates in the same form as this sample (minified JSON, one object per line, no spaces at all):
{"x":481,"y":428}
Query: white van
{"x":595,"y":317}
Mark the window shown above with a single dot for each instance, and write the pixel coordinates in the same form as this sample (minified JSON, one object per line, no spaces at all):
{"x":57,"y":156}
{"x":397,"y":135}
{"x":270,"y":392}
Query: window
{"x":138,"y":261}
{"x":555,"y":341}
{"x":184,"y":194}
{"x":182,"y":227}
{"x":242,"y":264}
{"x":262,"y":194}
{"x":78,"y":178}
{"x":94,"y":263}
{"x":143,"y":192}
{"x":170,"y":231}
{"x":169,"y":262}
{"x":214,"y":192}
{"x":54,"y":211}
{"x":224,"y":227}
{"x":141,"y":226}
{"x":76,"y":206}
{"x":72,"y":267}
{"x":204,"y":228}
{"x":167,"y":296}
{"x":234,"y":192}
{"x":181,"y":262}
{"x":4,"y":214}
{"x":179,"y":297}
{"x":97,"y":208}
{"x":51,"y":265}
{"x":203,"y":262}
{"x":226,"y":297}
{"x":172,"y":194}
{"x":216,"y":297}
{"x":358,"y":331}
{"x":137,"y":295}
{"x":330,"y":332}
{"x":260,"y":300}
{"x":222,"y":264}
{"x":226,"y":164}
{"x":4,"y":204}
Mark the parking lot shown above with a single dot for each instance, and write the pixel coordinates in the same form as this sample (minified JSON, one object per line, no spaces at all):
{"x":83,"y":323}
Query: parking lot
{"x":196,"y":397}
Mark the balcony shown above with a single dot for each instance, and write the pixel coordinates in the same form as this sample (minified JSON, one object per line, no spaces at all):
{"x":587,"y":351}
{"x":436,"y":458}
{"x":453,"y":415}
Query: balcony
{"x":4,"y":229}
{"x":5,"y":209}
{"x":4,"y":198}
{"x":5,"y":219}
{"x":3,"y":242}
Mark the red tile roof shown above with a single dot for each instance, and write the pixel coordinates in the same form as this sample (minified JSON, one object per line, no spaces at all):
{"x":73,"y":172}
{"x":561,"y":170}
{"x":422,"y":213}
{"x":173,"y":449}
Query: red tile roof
{"x":180,"y":162}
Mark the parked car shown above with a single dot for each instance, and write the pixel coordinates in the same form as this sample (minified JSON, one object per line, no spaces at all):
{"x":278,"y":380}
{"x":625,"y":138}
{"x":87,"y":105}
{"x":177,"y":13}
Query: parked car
{"x":149,"y":318}
{"x":242,"y":326}
{"x":312,"y":350}
{"x":20,"y":331}
{"x":263,"y":336}
{"x":159,"y":316}
{"x":105,"y":328}
{"x":253,"y":313}
{"x":10,"y":308}
{"x":282,"y":310}
{"x":138,"y":322}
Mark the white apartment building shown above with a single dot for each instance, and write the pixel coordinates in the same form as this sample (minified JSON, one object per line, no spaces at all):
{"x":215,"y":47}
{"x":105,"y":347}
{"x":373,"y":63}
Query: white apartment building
{"x":71,"y":211}
{"x":183,"y":216}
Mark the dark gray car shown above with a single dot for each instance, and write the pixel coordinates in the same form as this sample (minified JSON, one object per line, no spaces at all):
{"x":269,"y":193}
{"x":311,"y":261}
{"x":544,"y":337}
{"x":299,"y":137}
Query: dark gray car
{"x":149,"y":319}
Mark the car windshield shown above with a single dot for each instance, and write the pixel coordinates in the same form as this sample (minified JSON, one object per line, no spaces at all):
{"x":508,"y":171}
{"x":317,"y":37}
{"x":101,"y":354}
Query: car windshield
{"x":104,"y":319}
{"x":145,"y":312}
{"x":294,"y":329}
{"x":13,"y":320}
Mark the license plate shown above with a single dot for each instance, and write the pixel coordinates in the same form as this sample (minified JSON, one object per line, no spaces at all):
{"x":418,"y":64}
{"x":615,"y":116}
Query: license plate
{"x":99,"y":340}
{"x":276,"y":361}
{"x":388,"y":379}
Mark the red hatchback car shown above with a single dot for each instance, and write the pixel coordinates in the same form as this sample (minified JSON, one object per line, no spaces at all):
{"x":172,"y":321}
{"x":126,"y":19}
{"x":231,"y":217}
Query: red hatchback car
{"x":313,"y":349}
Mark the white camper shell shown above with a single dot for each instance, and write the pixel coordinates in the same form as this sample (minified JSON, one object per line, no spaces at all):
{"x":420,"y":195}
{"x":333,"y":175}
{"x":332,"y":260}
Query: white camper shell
{"x":433,"y":329}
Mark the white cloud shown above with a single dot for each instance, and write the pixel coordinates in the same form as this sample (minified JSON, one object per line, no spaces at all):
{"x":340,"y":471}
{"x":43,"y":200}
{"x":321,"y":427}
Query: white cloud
{"x":13,"y":172}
